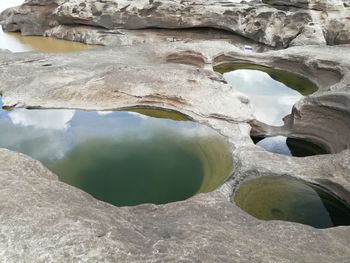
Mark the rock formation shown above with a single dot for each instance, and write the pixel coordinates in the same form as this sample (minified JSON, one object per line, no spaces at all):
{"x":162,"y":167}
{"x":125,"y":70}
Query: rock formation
{"x":320,"y":5}
{"x":168,"y":62}
{"x":274,"y":23}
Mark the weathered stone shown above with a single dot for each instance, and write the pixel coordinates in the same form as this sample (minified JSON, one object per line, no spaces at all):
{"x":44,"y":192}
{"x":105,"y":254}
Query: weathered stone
{"x":311,"y":35}
{"x":259,"y":22}
{"x":123,"y":37}
{"x":124,"y":76}
{"x":323,"y":116}
{"x":43,"y":219}
{"x":27,"y":20}
{"x":322,"y":5}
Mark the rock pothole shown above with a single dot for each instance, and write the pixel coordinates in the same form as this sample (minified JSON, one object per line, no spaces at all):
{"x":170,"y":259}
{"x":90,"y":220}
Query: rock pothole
{"x":289,"y":146}
{"x":289,"y":199}
{"x":141,"y":75}
{"x":122,"y":157}
{"x":272,"y":92}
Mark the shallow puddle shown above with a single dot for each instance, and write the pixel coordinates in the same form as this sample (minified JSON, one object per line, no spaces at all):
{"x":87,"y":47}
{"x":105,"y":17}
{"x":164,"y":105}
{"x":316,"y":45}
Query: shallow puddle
{"x":17,"y":43}
{"x":289,"y":146}
{"x":272,"y":92}
{"x":124,"y":158}
{"x":289,"y":199}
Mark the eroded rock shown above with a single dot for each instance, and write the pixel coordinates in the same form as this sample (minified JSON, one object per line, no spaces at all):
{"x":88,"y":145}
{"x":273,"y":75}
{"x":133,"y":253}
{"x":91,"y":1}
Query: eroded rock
{"x":263,"y":23}
{"x":322,"y":5}
{"x":323,"y":116}
{"x":44,"y":219}
{"x":122,"y":77}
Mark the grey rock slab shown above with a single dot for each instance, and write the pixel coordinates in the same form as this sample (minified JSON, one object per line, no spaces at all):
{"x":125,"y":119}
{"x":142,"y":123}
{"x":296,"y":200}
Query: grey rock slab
{"x":263,"y":23}
{"x":45,"y":220}
{"x":171,"y":75}
{"x":124,"y":37}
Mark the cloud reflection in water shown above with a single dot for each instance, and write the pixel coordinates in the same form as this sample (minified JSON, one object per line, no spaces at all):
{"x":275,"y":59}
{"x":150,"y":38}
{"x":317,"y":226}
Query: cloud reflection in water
{"x":51,"y":134}
{"x":271,"y":99}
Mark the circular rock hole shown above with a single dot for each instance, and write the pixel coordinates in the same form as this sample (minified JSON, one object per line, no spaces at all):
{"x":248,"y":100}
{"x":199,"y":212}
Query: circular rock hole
{"x":289,"y":199}
{"x":289,"y":146}
{"x":124,"y":158}
{"x":273,"y":92}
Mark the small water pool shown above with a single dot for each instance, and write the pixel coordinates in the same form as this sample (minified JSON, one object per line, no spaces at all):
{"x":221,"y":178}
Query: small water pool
{"x":273,"y":92}
{"x":289,"y":199}
{"x":124,"y":158}
{"x":289,"y":146}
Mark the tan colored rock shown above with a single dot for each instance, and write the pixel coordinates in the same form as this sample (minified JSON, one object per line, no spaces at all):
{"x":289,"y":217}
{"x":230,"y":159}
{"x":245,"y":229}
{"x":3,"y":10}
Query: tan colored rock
{"x":43,"y":219}
{"x":262,"y":23}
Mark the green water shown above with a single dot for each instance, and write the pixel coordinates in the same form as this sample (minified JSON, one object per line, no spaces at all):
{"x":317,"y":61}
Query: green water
{"x":124,"y":158}
{"x":289,"y":146}
{"x":291,"y":80}
{"x":272,"y":92}
{"x":289,"y":199}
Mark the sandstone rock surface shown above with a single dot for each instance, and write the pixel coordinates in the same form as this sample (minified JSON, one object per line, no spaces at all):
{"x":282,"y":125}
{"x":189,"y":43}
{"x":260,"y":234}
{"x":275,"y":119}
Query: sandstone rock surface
{"x":45,"y":220}
{"x":260,"y":22}
{"x":323,"y":116}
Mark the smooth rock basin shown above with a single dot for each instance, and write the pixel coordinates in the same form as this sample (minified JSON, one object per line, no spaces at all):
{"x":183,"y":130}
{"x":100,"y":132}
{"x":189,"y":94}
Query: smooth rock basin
{"x":289,"y":146}
{"x":273,"y":92}
{"x":290,"y":199}
{"x":15,"y":42}
{"x":124,"y":158}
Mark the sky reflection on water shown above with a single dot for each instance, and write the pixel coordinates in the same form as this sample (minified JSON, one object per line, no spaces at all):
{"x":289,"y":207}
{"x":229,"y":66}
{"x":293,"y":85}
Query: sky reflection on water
{"x":123,"y":158}
{"x":271,"y":99}
{"x":51,"y":133}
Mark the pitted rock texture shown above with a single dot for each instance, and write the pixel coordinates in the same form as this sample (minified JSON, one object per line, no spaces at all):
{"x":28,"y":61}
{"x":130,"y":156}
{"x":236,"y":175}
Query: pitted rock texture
{"x":260,"y":22}
{"x":45,"y":220}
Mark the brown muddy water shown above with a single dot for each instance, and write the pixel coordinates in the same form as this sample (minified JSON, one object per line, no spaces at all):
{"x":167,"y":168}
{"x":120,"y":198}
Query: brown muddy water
{"x":17,"y":43}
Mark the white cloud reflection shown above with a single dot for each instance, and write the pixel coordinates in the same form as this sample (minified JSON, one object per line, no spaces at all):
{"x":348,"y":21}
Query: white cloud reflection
{"x":138,"y":115}
{"x":42,"y":119}
{"x":277,"y":144}
{"x":52,"y":134}
{"x":271,"y":99}
{"x":102,"y":113}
